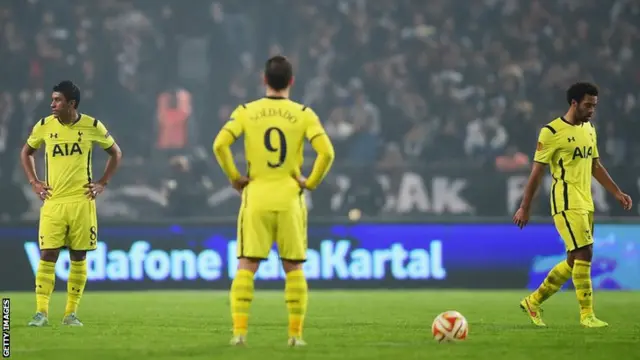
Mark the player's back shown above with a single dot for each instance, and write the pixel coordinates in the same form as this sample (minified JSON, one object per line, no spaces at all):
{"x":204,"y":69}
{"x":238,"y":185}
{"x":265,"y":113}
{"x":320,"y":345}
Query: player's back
{"x":275,"y":130}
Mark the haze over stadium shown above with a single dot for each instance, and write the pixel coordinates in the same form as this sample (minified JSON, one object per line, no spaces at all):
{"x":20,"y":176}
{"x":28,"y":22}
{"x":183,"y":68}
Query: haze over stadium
{"x":435,"y":109}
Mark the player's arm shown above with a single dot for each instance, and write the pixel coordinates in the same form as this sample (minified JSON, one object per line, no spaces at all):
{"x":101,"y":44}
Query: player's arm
{"x":601,"y":174}
{"x":229,"y":133}
{"x":535,"y":178}
{"x":544,"y":153}
{"x":35,"y":140}
{"x":108,"y":143}
{"x":322,"y":145}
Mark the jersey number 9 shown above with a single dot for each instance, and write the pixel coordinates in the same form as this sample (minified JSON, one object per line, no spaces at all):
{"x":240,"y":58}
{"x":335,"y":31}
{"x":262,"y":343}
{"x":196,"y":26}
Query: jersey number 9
{"x":280,"y":148}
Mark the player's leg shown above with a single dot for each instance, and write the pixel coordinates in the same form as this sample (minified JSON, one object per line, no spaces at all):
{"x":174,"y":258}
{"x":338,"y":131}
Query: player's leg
{"x":554,"y":281}
{"x":83,"y":237}
{"x":51,"y":237}
{"x":255,"y":234}
{"x":580,"y":257}
{"x":292,"y":247}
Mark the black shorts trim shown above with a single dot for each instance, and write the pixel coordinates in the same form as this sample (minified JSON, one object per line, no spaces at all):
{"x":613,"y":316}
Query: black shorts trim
{"x":573,"y":238}
{"x":241,"y":235}
{"x":251,"y":257}
{"x":55,"y":248}
{"x":294,"y":260}
{"x":68,"y":248}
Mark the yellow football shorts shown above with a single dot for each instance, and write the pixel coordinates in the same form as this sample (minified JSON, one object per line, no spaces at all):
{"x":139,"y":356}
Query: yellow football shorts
{"x":258,"y":229}
{"x":72,"y":225}
{"x":575,"y":227}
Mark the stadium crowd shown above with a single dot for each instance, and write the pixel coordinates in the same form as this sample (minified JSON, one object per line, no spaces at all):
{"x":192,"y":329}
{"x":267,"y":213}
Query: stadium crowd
{"x":407,"y":82}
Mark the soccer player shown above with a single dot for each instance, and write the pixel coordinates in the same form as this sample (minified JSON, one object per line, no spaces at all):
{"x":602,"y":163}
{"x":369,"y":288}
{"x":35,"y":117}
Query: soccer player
{"x":68,"y":214}
{"x":273,"y":205}
{"x":569,"y":146}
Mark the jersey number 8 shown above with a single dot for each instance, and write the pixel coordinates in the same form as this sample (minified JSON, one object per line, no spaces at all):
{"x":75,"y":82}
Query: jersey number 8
{"x":280,"y":148}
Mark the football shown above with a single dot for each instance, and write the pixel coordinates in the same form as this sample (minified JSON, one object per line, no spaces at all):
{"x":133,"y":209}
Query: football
{"x":450,"y":326}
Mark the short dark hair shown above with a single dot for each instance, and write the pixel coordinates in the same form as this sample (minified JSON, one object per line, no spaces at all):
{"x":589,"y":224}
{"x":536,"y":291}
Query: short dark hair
{"x":579,"y":90}
{"x":278,"y":72}
{"x":69,"y":90}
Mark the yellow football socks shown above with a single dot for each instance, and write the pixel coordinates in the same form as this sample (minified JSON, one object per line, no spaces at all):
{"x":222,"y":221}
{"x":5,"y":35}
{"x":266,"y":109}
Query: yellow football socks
{"x":559,"y":275}
{"x":241,"y":296}
{"x":584,"y":288}
{"x":296,"y":295}
{"x":45,"y":282}
{"x":75,"y":285}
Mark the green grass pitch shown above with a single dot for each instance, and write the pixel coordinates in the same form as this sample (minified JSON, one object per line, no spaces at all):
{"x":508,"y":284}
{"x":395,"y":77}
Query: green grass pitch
{"x":340,"y":325}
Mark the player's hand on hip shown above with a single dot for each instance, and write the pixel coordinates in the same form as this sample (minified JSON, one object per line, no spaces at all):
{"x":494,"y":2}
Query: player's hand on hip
{"x":41,"y":189}
{"x":93,"y":190}
{"x":302,"y":181}
{"x":521,"y":218}
{"x":624,"y":200}
{"x":240,"y":183}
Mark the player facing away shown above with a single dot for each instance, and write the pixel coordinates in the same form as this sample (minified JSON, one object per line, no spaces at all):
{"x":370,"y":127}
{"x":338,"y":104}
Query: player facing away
{"x":273,"y":205}
{"x":569,"y":146}
{"x":68,"y":214}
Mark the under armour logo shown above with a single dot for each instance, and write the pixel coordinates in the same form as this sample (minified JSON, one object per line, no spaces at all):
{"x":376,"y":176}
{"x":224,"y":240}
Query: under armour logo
{"x":80,"y":136}
{"x":53,"y":136}
{"x":587,"y":294}
{"x":571,"y":139}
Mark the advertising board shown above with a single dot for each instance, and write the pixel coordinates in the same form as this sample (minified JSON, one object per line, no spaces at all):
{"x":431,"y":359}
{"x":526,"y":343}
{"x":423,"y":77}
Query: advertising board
{"x":483,"y":256}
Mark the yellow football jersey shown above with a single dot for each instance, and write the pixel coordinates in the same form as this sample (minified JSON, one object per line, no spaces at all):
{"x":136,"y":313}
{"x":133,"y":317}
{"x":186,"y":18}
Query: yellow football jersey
{"x":274,"y":133}
{"x":67,"y":153}
{"x":569,"y":151}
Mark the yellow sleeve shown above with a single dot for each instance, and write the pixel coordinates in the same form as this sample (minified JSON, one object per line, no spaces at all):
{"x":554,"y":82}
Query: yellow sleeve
{"x":314,"y":127}
{"x":102,"y":136}
{"x":235,"y":125}
{"x":322,"y":145}
{"x":546,"y":146}
{"x":596,"y":153}
{"x":223,"y":141}
{"x":36,"y":138}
